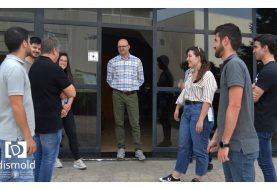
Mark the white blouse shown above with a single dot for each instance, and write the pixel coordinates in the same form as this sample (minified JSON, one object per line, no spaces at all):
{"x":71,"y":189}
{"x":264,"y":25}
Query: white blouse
{"x":202,"y":91}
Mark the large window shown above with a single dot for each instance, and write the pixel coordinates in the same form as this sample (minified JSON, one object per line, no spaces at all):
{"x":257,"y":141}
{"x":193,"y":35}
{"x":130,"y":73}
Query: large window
{"x":266,"y":21}
{"x":76,"y":41}
{"x":186,"y":18}
{"x":3,"y":27}
{"x":172,"y":45}
{"x":240,"y":17}
{"x":141,"y":17}
{"x":80,"y":15}
{"x":17,"y":13}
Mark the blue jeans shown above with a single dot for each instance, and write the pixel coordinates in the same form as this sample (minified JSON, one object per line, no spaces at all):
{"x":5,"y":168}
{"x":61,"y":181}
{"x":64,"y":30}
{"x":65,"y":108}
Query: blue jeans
{"x":265,"y":156}
{"x":240,"y":167}
{"x":47,"y":151}
{"x":15,"y":169}
{"x":188,"y":138}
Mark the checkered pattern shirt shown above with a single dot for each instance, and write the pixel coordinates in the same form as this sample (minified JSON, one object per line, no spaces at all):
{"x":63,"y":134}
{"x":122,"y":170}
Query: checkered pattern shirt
{"x":125,"y":74}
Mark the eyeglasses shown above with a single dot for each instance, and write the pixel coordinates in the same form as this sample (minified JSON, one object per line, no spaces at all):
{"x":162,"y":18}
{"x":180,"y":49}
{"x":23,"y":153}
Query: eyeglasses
{"x":122,"y":46}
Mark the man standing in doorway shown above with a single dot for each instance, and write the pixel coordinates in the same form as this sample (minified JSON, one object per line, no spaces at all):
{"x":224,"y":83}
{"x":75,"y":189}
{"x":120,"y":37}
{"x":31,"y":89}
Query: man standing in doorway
{"x":264,"y":95}
{"x":125,"y":76}
{"x":35,"y":52}
{"x":235,"y":135}
{"x":17,"y":122}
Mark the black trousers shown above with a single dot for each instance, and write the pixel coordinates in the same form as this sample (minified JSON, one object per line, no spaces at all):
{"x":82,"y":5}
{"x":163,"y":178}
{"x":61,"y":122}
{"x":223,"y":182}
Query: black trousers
{"x":164,"y":117}
{"x":70,"y":130}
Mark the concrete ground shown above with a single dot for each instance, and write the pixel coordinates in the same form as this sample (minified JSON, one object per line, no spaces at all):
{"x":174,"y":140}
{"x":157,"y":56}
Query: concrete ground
{"x":131,"y":170}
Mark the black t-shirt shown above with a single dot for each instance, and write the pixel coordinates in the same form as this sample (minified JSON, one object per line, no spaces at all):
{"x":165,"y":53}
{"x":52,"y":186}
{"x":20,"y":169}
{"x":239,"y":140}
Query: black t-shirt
{"x":47,"y":82}
{"x":266,"y":107}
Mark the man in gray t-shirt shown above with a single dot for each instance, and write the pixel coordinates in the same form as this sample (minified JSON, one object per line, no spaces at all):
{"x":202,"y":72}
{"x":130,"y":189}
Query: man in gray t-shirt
{"x":16,"y":111}
{"x":235,"y":138}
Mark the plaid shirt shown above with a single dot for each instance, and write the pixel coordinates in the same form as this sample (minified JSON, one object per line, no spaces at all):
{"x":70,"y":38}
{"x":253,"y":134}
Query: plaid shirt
{"x":125,"y":74}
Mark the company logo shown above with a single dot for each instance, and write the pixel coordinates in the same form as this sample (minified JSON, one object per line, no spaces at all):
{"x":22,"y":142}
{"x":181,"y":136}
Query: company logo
{"x":18,"y":149}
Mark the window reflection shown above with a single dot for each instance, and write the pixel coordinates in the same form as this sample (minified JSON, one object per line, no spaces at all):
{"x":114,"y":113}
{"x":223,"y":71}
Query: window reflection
{"x":81,"y":15}
{"x":167,"y":127}
{"x":133,"y":16}
{"x":17,"y":13}
{"x":266,"y":21}
{"x":240,"y":17}
{"x":76,"y":41}
{"x":3,"y":27}
{"x":188,"y":18}
{"x":174,"y":46}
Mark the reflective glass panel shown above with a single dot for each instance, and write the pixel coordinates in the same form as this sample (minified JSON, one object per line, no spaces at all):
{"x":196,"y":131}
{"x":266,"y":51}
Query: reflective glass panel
{"x":132,"y":16}
{"x":187,"y":18}
{"x":81,"y":15}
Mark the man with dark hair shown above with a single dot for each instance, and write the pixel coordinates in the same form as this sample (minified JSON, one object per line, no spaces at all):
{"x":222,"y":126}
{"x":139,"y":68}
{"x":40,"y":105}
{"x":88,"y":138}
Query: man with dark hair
{"x":35,"y":43}
{"x":48,"y":81}
{"x":17,"y":122}
{"x":235,"y":137}
{"x":264,"y":95}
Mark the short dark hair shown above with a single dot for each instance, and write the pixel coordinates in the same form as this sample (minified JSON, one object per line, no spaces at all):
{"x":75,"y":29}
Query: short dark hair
{"x":163,"y":61}
{"x":35,"y":40}
{"x":267,"y":40}
{"x":14,"y":37}
{"x":232,"y":32}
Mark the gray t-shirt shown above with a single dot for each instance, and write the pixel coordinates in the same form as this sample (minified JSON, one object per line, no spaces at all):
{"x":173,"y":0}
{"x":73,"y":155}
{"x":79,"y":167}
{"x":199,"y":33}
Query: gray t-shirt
{"x":235,"y":73}
{"x":14,"y":81}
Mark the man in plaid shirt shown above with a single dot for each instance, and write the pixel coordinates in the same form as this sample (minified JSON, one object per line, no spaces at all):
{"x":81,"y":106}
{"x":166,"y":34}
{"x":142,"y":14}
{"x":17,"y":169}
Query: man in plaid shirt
{"x":125,"y":76}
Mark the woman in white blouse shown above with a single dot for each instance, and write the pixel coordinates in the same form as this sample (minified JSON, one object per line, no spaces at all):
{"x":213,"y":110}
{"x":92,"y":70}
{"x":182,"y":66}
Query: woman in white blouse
{"x":197,"y":118}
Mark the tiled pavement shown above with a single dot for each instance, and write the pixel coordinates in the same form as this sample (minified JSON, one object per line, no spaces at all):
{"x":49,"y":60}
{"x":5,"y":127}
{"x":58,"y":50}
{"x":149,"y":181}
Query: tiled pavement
{"x":130,"y":170}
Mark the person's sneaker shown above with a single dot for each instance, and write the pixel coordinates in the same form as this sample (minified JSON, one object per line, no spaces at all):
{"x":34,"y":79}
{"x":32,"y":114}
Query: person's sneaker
{"x":210,"y":166}
{"x":195,"y":180}
{"x":139,"y":155}
{"x":120,"y":154}
{"x":58,"y":163}
{"x":79,"y":164}
{"x":169,"y":178}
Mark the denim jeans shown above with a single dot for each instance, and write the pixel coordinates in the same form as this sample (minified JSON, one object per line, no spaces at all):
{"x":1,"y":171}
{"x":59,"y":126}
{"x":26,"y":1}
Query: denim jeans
{"x":240,"y":167}
{"x":47,"y":151}
{"x":265,"y":156}
{"x":15,"y":169}
{"x":189,"y":139}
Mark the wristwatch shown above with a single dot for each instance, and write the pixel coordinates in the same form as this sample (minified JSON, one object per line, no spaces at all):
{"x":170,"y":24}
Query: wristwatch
{"x":222,"y":145}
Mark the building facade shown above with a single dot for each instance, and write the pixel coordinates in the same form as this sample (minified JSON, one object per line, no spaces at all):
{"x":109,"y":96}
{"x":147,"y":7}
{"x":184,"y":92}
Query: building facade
{"x":151,"y":33}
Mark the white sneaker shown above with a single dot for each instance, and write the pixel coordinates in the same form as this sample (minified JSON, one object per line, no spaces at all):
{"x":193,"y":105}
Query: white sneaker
{"x":58,"y":163}
{"x":120,"y":154}
{"x":139,"y":155}
{"x":79,"y":164}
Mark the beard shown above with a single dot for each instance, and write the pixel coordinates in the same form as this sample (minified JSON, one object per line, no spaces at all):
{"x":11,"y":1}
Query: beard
{"x":219,"y":51}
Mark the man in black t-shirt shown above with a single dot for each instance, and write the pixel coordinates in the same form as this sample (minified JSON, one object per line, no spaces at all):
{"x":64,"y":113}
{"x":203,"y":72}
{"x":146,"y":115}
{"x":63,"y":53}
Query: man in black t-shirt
{"x":48,"y":81}
{"x":264,"y":95}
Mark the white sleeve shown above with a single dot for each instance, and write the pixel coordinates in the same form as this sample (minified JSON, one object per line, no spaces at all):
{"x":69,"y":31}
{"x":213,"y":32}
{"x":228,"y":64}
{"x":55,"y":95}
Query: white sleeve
{"x":181,"y":98}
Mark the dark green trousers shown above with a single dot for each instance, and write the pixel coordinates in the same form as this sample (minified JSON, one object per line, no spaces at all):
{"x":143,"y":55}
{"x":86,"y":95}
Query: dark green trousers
{"x":120,"y":101}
